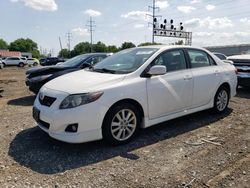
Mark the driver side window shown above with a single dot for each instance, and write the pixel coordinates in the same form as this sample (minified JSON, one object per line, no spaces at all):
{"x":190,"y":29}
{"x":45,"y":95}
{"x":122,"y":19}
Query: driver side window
{"x":173,"y":60}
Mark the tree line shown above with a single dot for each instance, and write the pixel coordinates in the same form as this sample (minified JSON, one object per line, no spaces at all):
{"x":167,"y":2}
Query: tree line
{"x":21,"y":45}
{"x":86,"y":47}
{"x":28,"y":45}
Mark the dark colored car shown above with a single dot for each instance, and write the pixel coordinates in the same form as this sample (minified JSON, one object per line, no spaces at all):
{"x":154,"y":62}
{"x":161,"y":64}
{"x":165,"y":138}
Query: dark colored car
{"x":242,"y":64}
{"x":37,"y":77}
{"x":50,"y":61}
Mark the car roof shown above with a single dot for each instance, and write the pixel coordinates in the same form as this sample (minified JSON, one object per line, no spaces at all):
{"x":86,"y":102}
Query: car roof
{"x":166,"y":47}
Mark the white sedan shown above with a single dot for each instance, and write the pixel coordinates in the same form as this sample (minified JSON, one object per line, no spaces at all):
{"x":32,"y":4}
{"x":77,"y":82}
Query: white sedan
{"x":135,"y":88}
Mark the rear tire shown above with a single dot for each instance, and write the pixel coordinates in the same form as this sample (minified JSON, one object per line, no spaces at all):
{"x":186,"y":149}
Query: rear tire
{"x":21,"y":64}
{"x":121,"y":124}
{"x":4,"y":65}
{"x":35,"y":64}
{"x":221,"y":100}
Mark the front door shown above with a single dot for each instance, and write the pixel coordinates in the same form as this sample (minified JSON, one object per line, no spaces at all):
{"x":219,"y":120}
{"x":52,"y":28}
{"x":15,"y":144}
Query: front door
{"x":172,"y":92}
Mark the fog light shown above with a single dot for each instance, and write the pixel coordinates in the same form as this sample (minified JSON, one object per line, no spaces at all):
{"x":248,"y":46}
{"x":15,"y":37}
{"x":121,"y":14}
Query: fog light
{"x":72,"y":128}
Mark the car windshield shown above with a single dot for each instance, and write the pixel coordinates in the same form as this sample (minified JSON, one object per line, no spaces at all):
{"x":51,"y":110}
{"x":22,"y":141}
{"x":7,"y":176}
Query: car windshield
{"x":74,"y":62}
{"x":124,"y":62}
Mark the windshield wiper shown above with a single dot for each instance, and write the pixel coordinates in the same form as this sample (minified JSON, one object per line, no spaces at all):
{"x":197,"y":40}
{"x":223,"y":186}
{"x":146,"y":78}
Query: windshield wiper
{"x":104,"y":70}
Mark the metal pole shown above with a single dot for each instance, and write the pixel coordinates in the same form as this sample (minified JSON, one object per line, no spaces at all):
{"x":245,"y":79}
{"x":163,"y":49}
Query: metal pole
{"x":153,"y":36}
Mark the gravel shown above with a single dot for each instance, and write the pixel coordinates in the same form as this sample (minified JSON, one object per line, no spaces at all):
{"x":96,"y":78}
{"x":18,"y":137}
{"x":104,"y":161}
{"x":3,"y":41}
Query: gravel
{"x":158,"y":157}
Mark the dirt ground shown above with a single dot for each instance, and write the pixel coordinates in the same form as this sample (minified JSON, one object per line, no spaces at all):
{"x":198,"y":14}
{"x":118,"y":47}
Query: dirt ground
{"x":199,"y":150}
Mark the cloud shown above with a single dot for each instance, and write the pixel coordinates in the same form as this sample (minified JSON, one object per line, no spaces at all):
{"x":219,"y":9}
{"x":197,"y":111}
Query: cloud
{"x":210,"y":7}
{"x":210,"y":23}
{"x":136,"y":15}
{"x":245,"y":21}
{"x":80,"y":31}
{"x":162,"y":4}
{"x":186,"y":9}
{"x":220,"y":38}
{"x":41,"y":5}
{"x":139,"y":26}
{"x":195,"y":1}
{"x":92,"y":13}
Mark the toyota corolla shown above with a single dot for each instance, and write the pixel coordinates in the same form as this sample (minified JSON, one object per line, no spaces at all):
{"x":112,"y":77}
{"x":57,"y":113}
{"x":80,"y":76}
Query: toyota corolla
{"x":133,"y":89}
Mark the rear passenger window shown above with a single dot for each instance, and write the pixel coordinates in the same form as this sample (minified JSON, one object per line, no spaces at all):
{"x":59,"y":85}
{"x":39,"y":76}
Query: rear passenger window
{"x":200,"y":59}
{"x":173,"y":60}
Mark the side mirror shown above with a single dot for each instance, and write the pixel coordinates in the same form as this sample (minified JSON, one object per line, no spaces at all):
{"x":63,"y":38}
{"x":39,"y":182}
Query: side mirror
{"x":157,"y":70}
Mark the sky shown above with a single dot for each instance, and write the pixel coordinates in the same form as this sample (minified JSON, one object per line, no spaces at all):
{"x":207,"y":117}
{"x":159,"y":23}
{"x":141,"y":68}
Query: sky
{"x":213,"y":22}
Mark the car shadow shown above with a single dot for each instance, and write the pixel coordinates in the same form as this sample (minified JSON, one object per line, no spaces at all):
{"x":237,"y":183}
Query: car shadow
{"x":34,"y":149}
{"x":23,"y":101}
{"x":243,"y":92}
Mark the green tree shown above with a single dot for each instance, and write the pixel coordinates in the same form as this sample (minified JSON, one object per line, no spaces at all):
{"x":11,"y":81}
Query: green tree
{"x":149,"y":44}
{"x":100,"y":47}
{"x":179,"y":42}
{"x":126,"y":45}
{"x":81,"y":48}
{"x":23,"y":45}
{"x":3,"y":44}
{"x":65,"y":53}
{"x":112,"y":48}
{"x":36,"y":53}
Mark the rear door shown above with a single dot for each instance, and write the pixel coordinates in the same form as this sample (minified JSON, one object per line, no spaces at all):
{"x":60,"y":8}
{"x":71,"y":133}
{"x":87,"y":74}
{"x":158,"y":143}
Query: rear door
{"x":206,"y":76}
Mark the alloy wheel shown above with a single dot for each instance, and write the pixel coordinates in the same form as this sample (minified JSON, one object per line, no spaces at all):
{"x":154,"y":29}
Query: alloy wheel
{"x":123,"y":124}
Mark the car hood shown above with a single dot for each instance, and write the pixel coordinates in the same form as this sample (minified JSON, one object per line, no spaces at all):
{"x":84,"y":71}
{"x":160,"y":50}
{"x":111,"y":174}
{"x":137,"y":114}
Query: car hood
{"x":83,"y":81}
{"x":38,"y":70}
{"x":239,"y":57}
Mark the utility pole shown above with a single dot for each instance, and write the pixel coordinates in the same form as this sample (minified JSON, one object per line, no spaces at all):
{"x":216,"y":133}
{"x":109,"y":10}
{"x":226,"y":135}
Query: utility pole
{"x":69,"y":37}
{"x":153,"y":16}
{"x":91,"y":25}
{"x":60,"y":42}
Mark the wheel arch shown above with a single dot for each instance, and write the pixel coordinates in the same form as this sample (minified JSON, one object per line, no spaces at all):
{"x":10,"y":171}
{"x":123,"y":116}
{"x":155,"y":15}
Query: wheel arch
{"x":227,"y":86}
{"x":131,"y":101}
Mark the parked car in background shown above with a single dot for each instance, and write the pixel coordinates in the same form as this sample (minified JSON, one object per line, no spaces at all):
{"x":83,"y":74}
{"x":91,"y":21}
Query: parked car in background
{"x":37,"y":77}
{"x":242,"y":63}
{"x":51,"y":61}
{"x":132,"y":89}
{"x":32,"y":61}
{"x":222,"y":57}
{"x":17,"y":61}
{"x":1,"y":63}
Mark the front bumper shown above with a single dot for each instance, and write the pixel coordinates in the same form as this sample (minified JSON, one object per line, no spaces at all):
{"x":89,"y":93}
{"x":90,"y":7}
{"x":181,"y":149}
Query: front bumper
{"x":89,"y":118}
{"x":34,"y":86}
{"x":244,"y":78}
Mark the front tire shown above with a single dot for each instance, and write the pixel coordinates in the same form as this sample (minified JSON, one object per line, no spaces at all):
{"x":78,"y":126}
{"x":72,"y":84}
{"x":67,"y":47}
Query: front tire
{"x":221,"y":100}
{"x":121,"y":124}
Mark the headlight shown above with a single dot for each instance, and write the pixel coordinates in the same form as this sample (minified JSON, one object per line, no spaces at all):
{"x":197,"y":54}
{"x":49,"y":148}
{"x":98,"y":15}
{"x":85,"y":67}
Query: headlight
{"x":40,"y":78}
{"x":75,"y":100}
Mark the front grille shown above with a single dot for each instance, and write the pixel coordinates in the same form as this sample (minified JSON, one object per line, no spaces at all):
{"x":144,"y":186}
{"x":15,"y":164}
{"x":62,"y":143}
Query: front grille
{"x":241,"y":62}
{"x":44,"y":124}
{"x":47,"y":101}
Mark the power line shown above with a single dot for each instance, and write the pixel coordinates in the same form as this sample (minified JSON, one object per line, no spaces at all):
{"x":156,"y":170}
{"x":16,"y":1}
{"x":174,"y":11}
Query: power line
{"x":91,"y":25}
{"x":69,"y":37}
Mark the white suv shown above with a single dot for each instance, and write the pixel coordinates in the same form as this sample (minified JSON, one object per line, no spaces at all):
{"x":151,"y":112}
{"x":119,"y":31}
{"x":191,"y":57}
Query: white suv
{"x":19,"y":61}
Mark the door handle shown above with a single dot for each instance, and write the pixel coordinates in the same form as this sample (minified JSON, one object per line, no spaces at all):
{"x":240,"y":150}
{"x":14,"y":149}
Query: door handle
{"x":216,"y":72}
{"x":187,"y":77}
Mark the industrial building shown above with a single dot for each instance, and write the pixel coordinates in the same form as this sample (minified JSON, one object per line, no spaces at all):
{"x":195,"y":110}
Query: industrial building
{"x":229,"y":50}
